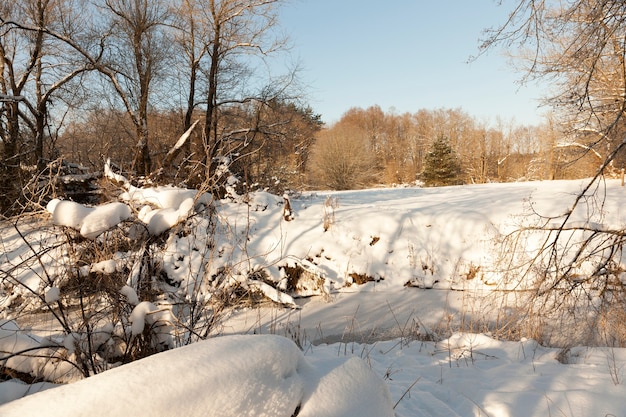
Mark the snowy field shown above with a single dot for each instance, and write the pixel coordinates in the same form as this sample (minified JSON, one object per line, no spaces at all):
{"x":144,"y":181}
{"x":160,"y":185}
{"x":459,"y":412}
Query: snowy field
{"x":391,"y":268}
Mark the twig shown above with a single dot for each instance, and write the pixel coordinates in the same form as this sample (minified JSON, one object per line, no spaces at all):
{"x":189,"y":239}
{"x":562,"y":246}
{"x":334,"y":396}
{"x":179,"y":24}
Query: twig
{"x":406,"y":392}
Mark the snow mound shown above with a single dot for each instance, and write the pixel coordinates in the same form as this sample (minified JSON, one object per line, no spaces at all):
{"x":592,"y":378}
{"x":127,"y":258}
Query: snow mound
{"x":40,"y":361}
{"x":91,"y":222}
{"x":350,"y":389}
{"x":165,"y":207}
{"x":160,"y":220}
{"x":164,"y":197}
{"x":15,"y":388}
{"x":262,"y":375}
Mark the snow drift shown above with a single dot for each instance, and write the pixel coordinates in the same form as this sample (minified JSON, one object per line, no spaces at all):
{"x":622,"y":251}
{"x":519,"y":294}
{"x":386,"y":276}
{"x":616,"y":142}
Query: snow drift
{"x":91,"y":222}
{"x":230,"y":376}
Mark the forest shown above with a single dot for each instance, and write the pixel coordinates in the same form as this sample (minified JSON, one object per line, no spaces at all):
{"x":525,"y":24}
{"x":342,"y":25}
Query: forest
{"x":169,"y":89}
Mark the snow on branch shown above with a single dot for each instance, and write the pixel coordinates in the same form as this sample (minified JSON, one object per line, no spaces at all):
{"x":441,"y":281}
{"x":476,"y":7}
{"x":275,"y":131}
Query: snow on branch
{"x":179,"y":144}
{"x":110,"y":174}
{"x":7,"y":97}
{"x":579,"y":145}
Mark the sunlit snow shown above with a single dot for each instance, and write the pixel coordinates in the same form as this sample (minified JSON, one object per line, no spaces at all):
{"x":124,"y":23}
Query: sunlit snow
{"x":89,"y":221}
{"x":419,"y":250}
{"x":225,"y":376}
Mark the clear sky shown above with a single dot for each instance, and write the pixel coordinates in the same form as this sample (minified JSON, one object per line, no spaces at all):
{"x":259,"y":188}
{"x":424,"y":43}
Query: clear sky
{"x":405,"y":55}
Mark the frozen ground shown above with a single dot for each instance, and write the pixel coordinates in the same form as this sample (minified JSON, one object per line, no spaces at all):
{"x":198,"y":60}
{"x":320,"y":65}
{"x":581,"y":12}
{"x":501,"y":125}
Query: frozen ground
{"x":428,"y":239}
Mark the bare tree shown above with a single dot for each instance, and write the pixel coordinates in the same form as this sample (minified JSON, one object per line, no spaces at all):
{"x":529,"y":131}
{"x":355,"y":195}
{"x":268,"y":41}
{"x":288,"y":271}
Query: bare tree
{"x":580,"y":46}
{"x":136,"y":58}
{"x":274,"y":151}
{"x":36,"y":70}
{"x":231,"y":33}
{"x":191,"y":35}
{"x":343,"y":158}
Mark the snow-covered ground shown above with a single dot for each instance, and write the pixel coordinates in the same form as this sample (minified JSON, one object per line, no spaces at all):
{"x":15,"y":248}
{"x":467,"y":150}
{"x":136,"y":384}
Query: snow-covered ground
{"x":431,"y":258}
{"x":261,"y":375}
{"x":224,"y":376}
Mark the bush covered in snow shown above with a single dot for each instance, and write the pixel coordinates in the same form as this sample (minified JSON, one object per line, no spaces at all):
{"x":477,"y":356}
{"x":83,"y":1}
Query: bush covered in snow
{"x":123,"y":280}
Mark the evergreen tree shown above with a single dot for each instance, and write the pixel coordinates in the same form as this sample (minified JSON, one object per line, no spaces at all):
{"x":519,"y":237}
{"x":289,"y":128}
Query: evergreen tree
{"x":441,"y":165}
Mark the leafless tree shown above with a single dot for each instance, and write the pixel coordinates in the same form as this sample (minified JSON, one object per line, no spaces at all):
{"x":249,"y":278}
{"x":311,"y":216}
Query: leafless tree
{"x":36,"y":71}
{"x":222,"y":38}
{"x":343,"y":158}
{"x":191,"y":35}
{"x":136,"y":57}
{"x":580,"y":48}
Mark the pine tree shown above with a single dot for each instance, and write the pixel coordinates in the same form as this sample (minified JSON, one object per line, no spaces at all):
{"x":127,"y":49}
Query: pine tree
{"x":441,"y":165}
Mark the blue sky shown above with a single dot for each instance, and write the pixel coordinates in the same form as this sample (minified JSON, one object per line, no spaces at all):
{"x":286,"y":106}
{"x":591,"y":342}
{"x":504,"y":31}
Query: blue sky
{"x":407,"y":55}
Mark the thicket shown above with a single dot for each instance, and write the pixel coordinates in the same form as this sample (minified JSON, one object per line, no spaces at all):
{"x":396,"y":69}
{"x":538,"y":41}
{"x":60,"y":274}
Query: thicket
{"x":85,"y":81}
{"x":86,"y":288}
{"x":171,"y":92}
{"x":576,"y":269}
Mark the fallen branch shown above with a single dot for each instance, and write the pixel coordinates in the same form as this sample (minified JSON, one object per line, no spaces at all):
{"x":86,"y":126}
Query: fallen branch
{"x":179,"y":145}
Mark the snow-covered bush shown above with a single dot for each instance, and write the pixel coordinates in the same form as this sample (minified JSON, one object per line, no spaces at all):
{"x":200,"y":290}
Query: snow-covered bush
{"x":123,"y":280}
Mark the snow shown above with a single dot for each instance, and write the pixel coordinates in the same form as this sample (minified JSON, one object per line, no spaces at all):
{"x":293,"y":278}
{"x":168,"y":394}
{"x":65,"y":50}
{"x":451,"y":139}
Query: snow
{"x":109,"y":173}
{"x":474,"y":375}
{"x":164,"y":197}
{"x":12,"y":339}
{"x":272,"y":293}
{"x":430,"y":256}
{"x":147,"y":314}
{"x":138,"y":316}
{"x":181,"y":141}
{"x":91,"y":222}
{"x":16,"y":389}
{"x":173,"y":205}
{"x":160,"y":220}
{"x":349,"y":388}
{"x":108,"y":266}
{"x":52,"y":294}
{"x":130,"y":294}
{"x":427,"y":237}
{"x":263,"y":375}
{"x":267,"y":375}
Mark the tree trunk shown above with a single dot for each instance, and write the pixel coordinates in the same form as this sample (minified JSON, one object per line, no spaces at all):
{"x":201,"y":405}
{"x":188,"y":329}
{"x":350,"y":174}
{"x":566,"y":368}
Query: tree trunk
{"x":143,"y":161}
{"x":191,"y":99}
{"x":210,"y":137}
{"x":40,"y":121}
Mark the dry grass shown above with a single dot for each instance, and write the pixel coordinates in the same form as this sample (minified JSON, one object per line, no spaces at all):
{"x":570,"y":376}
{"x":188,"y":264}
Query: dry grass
{"x":330,"y":205}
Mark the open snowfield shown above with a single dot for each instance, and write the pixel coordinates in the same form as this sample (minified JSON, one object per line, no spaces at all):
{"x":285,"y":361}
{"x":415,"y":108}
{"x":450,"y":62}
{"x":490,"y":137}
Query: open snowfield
{"x":429,"y":258}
